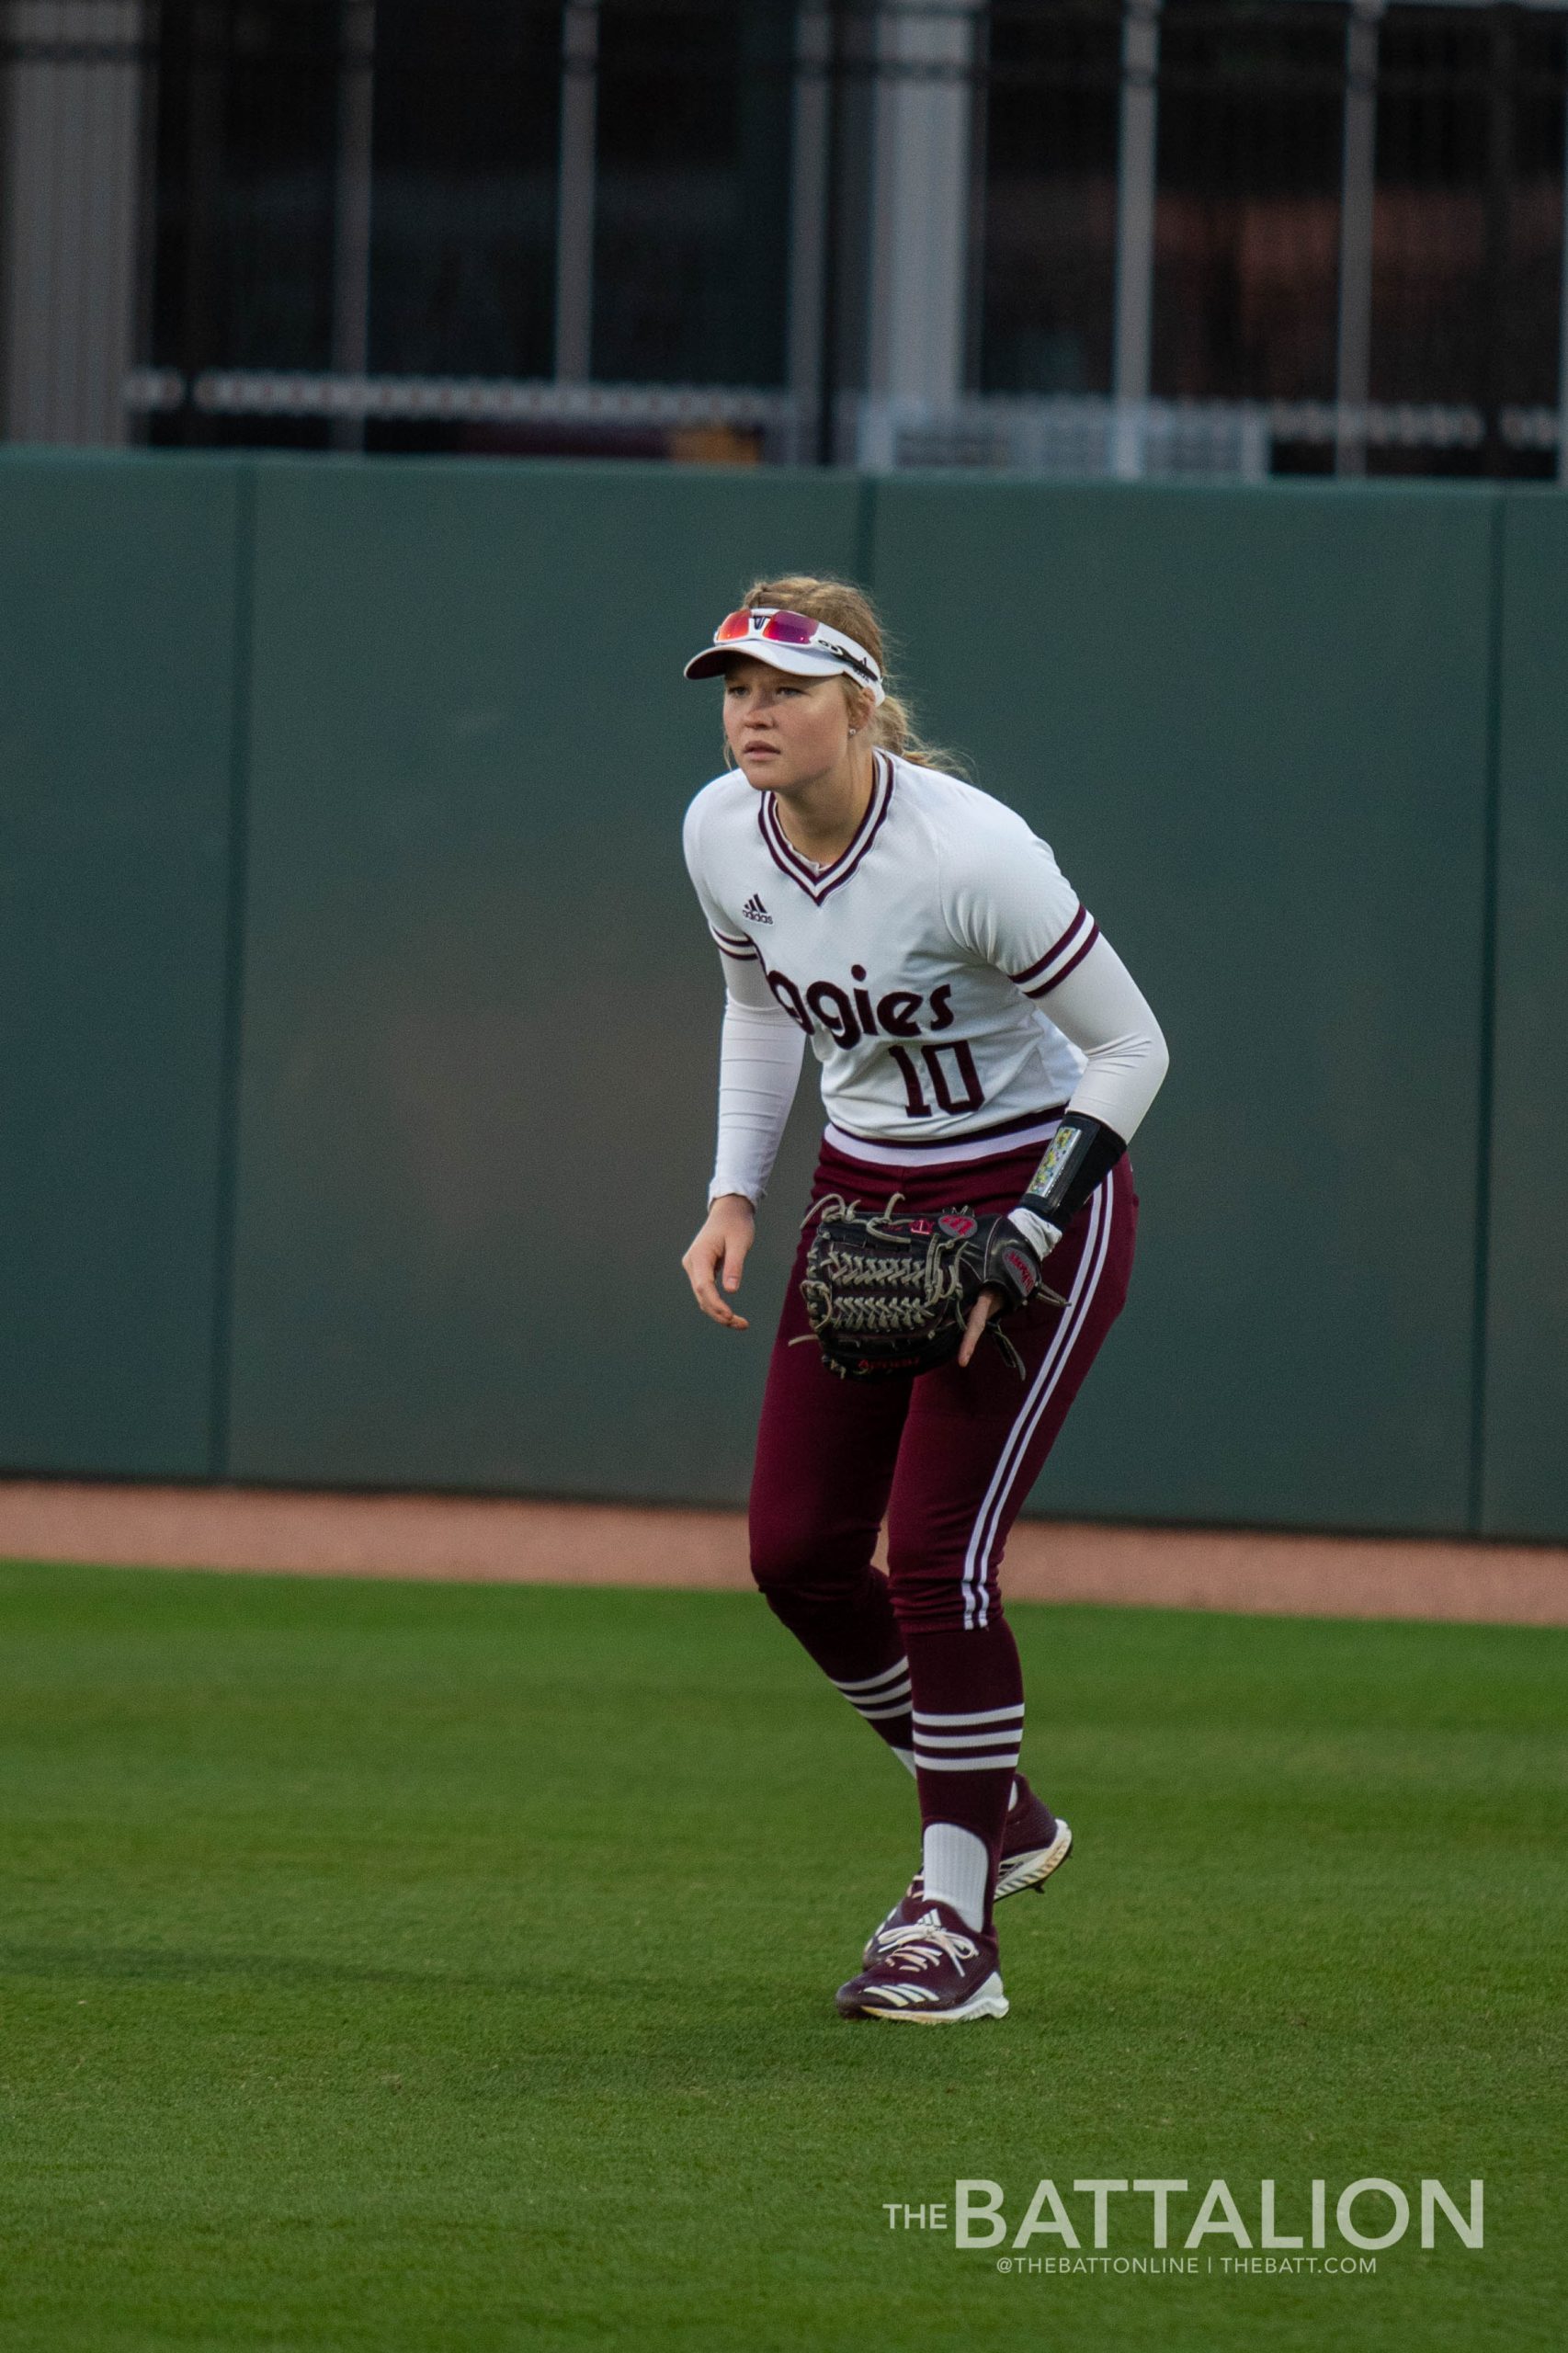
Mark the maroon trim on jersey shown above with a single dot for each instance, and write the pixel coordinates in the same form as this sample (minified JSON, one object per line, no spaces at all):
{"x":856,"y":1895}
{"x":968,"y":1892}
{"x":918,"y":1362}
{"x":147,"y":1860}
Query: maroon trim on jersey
{"x":1032,"y":971}
{"x":735,"y":944}
{"x":923,"y":1145}
{"x":1071,"y":965}
{"x":816,"y":885}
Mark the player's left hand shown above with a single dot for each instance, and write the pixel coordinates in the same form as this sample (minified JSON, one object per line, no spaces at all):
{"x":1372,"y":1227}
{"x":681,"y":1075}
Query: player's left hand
{"x":989,"y":1301}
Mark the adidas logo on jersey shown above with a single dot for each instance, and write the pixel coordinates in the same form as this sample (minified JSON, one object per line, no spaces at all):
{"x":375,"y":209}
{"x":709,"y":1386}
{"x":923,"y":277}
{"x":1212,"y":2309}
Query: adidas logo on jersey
{"x":755,"y":912}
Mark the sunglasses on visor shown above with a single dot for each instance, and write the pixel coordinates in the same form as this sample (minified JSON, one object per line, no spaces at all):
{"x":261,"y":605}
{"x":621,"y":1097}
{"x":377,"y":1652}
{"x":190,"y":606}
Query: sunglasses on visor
{"x":785,"y":628}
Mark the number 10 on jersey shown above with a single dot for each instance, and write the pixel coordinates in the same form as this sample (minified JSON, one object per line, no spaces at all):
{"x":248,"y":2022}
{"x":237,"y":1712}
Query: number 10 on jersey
{"x":936,"y":1077}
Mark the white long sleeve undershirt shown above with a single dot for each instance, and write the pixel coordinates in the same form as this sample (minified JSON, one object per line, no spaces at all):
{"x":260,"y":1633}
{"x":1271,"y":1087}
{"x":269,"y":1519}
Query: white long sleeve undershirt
{"x":1100,"y":1007}
{"x":760,"y":1052}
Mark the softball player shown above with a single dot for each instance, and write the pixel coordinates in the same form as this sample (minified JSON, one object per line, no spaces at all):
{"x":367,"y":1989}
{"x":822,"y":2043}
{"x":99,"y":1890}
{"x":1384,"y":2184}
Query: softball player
{"x":983,"y":1045}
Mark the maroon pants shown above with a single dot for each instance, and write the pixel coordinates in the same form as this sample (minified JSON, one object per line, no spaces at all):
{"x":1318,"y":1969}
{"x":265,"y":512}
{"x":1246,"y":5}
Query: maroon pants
{"x":948,"y":1457}
{"x":924,"y":1654}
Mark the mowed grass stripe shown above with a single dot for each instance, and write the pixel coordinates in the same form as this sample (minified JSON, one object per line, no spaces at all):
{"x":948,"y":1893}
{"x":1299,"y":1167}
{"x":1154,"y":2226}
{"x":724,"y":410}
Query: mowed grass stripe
{"x":417,"y":1967}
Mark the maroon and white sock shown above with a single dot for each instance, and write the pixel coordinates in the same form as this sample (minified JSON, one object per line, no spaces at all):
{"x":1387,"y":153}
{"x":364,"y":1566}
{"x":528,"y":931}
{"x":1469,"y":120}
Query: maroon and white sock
{"x":955,"y":1869}
{"x":969,"y":1721}
{"x":849,"y":1627}
{"x":883,"y":1700}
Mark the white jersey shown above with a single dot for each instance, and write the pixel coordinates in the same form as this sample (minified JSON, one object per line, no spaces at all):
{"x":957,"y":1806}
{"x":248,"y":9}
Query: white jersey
{"x":924,"y":965}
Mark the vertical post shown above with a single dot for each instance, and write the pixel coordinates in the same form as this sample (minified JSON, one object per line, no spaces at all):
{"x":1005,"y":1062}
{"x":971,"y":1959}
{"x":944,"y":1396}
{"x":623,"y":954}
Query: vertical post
{"x":1353,"y":364}
{"x":195,"y":58}
{"x":1563,"y":300}
{"x":142,"y":334}
{"x":575,"y":197}
{"x":809,"y":212}
{"x":351,"y":228}
{"x":921,"y":202}
{"x":1135,"y":236}
{"x":69,"y":266}
{"x":1499,"y":203}
{"x":832,"y":291}
{"x":979,"y":192}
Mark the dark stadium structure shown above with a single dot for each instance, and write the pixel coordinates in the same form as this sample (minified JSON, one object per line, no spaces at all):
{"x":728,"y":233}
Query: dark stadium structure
{"x":1131,"y":237}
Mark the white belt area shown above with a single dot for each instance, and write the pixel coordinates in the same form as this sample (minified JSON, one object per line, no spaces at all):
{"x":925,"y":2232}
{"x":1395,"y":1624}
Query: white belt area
{"x":960,"y":1152}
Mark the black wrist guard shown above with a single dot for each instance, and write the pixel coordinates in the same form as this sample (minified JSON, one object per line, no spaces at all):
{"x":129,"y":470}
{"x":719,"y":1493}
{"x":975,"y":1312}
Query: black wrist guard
{"x":1081,"y":1151}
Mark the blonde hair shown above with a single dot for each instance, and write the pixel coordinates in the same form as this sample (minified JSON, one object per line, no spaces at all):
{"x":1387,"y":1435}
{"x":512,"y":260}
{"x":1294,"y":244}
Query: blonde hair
{"x":843,"y":606}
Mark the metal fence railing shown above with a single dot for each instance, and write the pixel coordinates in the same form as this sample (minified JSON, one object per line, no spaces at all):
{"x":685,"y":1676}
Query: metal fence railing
{"x":1224,"y":236}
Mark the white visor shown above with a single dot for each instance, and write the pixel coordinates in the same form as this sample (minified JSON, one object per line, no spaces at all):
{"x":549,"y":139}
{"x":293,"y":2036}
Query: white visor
{"x":828,"y":651}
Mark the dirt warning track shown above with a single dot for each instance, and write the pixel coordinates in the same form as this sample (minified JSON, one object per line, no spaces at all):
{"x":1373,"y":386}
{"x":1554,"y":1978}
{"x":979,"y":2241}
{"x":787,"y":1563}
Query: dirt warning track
{"x":502,"y":1541}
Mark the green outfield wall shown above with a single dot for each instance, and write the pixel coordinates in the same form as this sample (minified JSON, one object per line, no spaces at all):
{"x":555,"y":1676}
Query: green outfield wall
{"x":358,"y":1032}
{"x":1524,"y":1355}
{"x":120,"y":626}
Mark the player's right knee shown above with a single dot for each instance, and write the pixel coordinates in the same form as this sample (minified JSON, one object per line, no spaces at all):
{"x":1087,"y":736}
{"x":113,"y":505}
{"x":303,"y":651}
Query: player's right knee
{"x":792,"y":1564}
{"x":782,"y":1561}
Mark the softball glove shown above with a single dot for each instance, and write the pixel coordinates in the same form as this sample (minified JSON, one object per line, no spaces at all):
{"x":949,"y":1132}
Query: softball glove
{"x":888,"y":1294}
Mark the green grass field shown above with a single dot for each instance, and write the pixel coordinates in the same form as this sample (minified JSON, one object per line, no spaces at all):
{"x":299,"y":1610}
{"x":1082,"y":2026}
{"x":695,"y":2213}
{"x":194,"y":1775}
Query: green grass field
{"x":398,"y":1967}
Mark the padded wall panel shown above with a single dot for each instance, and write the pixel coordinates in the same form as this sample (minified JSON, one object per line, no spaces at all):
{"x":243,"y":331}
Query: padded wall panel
{"x":116,"y":661}
{"x":482,"y":1009}
{"x":1526,"y":1486}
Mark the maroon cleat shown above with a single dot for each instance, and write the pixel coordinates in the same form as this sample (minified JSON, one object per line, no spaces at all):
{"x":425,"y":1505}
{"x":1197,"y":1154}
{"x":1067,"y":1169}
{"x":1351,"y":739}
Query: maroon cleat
{"x":1035,"y":1843}
{"x":933,"y":1969}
